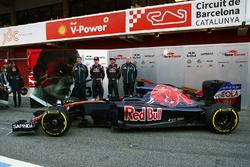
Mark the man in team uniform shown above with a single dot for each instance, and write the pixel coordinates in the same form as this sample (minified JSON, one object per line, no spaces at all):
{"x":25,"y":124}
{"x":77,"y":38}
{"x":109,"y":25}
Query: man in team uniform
{"x":97,"y":75}
{"x":80,"y":75}
{"x":114,"y":74}
{"x":129,"y":74}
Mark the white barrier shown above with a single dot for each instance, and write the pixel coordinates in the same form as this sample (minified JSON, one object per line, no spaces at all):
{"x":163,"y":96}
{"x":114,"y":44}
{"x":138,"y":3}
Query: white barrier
{"x":190,"y":65}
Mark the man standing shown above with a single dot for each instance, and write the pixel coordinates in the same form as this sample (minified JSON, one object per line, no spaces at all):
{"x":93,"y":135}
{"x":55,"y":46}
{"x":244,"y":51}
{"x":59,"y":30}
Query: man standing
{"x":80,"y":74}
{"x":97,"y":74}
{"x":16,"y":82}
{"x":114,"y":74}
{"x":3,"y":91}
{"x":129,"y":74}
{"x":4,"y":76}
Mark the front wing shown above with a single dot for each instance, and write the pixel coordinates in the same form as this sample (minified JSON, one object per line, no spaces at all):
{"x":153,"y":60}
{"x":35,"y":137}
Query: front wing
{"x":23,"y":125}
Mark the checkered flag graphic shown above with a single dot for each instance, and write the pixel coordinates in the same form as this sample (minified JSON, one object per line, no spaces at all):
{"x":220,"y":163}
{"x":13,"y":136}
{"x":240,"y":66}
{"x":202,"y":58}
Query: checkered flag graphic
{"x":134,"y":15}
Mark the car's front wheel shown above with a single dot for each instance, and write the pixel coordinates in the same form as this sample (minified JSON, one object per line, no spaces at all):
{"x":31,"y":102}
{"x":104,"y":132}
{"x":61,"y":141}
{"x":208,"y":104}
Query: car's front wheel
{"x":56,"y":121}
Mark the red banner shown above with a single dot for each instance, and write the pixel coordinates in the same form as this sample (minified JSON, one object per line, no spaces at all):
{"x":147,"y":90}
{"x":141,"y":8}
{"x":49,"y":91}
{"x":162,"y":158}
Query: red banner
{"x":104,"y":24}
{"x":33,"y":56}
{"x":163,"y":17}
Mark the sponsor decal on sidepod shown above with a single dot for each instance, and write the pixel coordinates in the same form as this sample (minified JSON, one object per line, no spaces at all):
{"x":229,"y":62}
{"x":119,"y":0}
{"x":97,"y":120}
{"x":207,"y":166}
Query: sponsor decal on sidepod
{"x":146,"y":114}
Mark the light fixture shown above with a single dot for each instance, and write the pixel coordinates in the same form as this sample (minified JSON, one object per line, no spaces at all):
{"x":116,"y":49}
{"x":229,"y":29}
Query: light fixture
{"x":180,"y":0}
{"x":156,"y":34}
{"x":209,"y":31}
{"x":57,"y":44}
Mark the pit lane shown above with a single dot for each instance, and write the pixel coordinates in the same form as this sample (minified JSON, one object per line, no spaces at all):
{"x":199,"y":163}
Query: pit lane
{"x":104,"y":147}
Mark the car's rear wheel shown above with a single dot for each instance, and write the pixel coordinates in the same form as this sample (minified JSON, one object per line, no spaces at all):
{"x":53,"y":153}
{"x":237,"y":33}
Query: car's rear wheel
{"x":222,"y":118}
{"x":55,"y":121}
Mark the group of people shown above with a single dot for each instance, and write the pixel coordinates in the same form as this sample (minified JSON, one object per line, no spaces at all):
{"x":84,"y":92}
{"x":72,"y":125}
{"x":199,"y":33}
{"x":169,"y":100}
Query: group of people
{"x":11,"y":81}
{"x":53,"y":76}
{"x":114,"y":72}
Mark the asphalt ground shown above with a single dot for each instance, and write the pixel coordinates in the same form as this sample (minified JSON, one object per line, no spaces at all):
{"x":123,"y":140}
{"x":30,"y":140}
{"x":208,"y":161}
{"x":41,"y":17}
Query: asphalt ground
{"x":103,"y":147}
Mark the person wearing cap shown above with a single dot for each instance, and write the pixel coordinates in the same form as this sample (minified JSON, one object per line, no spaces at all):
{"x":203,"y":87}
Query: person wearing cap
{"x":80,"y":75}
{"x":97,"y":75}
{"x":113,"y":74}
{"x":129,"y":74}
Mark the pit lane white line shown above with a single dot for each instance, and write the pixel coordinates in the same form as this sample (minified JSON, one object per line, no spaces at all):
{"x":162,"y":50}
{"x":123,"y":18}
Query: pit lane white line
{"x":4,"y":123}
{"x":8,"y":162}
{"x":6,"y":129}
{"x":8,"y":133}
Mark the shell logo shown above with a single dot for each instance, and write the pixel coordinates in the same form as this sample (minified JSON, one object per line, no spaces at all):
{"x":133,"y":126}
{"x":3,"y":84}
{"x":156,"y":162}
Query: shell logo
{"x":62,"y":30}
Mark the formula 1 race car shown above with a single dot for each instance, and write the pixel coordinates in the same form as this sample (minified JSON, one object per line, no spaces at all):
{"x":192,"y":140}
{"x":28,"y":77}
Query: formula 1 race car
{"x":156,"y":106}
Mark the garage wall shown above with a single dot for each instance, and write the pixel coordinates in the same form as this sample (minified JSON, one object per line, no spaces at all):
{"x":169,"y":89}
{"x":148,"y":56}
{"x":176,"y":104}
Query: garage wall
{"x":34,"y":4}
{"x":190,"y":65}
{"x":4,"y":10}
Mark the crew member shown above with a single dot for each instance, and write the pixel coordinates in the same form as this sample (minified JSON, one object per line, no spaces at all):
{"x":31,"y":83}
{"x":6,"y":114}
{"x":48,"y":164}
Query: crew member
{"x":80,"y":74}
{"x":5,"y":77}
{"x":16,"y":83}
{"x":114,"y":74}
{"x":97,"y":74}
{"x":5,"y":89}
{"x":129,"y":74}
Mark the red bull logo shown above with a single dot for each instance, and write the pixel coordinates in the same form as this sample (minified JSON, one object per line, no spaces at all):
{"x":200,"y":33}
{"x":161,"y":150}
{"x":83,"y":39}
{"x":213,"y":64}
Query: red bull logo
{"x":146,"y":114}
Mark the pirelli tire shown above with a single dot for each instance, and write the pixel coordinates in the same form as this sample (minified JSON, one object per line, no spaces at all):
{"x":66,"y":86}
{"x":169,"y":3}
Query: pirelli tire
{"x":56,"y":121}
{"x":222,"y":118}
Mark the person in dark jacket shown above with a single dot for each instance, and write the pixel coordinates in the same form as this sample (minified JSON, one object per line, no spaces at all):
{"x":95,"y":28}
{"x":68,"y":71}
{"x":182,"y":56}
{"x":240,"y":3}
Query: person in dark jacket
{"x":4,"y":93}
{"x":129,"y":74}
{"x":114,"y":74}
{"x":97,"y":74}
{"x":4,"y":78}
{"x":80,"y":75}
{"x":16,"y":83}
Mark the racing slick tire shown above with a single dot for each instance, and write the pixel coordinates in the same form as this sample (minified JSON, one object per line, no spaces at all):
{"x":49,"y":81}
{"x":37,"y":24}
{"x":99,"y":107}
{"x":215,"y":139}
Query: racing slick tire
{"x":56,"y":121}
{"x":222,"y":118}
{"x":71,"y":100}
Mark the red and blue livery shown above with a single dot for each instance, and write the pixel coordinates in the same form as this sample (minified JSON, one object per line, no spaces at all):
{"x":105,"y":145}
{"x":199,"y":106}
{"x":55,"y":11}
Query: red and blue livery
{"x":155,"y":106}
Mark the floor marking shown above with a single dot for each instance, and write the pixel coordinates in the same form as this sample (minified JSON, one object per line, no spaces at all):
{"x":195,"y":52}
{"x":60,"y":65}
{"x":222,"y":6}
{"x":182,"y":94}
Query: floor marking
{"x":8,"y":162}
{"x":8,"y":133}
{"x":4,"y":164}
{"x":6,"y":129}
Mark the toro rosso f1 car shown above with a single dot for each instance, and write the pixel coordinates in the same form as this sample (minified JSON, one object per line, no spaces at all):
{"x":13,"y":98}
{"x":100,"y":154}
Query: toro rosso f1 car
{"x":156,"y":106}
